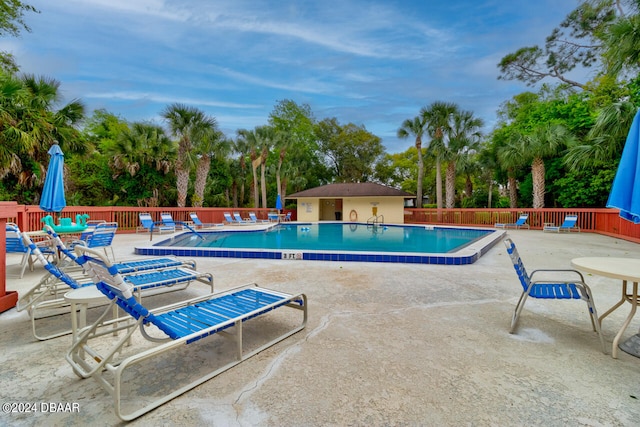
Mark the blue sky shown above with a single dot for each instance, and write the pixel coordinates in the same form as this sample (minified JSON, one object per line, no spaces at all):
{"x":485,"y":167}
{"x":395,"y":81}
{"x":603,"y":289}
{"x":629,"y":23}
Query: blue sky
{"x":372,"y":63}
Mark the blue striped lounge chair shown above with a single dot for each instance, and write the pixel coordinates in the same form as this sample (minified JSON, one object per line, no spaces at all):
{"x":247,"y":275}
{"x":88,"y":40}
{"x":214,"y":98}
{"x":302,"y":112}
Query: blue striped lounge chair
{"x":148,"y":225}
{"x":254,"y":219}
{"x":167,"y":221}
{"x":238,"y":219}
{"x":199,"y":224}
{"x":520,"y":223}
{"x":228,"y":218}
{"x":171,"y":331}
{"x":101,"y":236}
{"x":146,"y":276}
{"x":568,"y":225}
{"x":18,"y":242}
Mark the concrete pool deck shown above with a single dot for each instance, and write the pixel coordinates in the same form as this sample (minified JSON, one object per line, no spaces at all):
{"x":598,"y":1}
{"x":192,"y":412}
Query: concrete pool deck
{"x":386,"y":344}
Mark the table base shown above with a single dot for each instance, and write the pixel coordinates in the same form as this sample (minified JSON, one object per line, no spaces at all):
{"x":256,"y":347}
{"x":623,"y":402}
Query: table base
{"x":631,"y":346}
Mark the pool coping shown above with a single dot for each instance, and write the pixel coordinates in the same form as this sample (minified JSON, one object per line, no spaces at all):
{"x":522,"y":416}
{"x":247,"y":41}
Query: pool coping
{"x":466,"y":255}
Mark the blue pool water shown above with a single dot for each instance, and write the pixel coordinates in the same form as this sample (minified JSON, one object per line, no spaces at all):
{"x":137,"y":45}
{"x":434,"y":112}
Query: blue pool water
{"x":335,"y":237}
{"x":336,"y":242}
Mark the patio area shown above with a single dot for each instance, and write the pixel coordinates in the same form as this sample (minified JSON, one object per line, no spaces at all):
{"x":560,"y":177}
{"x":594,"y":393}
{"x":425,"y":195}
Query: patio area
{"x":386,"y":344}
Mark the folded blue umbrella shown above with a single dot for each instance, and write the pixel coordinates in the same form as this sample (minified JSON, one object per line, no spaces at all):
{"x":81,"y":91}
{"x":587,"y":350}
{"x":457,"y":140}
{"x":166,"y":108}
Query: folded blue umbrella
{"x":53,"y":199}
{"x":625,"y":191}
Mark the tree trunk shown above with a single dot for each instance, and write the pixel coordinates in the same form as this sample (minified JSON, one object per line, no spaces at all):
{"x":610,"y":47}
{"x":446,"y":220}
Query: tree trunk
{"x":537,"y":173}
{"x":281,"y":190}
{"x":513,"y":192}
{"x":451,"y":185}
{"x":202,"y":173}
{"x":278,"y":182}
{"x":234,"y":194}
{"x":420,"y":173}
{"x":254,"y":168}
{"x":468,"y":187}
{"x":263,"y":181}
{"x":182,"y":185}
{"x":438,"y":183}
{"x":284,"y":189}
{"x":182,"y":173}
{"x":263,"y":185}
{"x":242,"y":180}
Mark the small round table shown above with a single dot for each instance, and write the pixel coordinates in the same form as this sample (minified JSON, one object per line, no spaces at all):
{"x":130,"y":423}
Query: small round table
{"x":627,"y":270}
{"x":82,"y":297}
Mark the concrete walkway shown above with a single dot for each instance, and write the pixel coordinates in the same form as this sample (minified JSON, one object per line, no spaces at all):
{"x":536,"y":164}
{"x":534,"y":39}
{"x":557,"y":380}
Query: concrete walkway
{"x":386,"y":344}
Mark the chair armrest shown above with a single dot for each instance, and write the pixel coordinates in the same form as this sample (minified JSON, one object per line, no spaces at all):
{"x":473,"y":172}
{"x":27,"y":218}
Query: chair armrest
{"x":568,"y":270}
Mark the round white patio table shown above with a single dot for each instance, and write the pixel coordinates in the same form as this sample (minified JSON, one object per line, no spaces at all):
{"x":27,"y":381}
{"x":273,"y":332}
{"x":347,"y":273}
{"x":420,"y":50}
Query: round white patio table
{"x":625,"y":269}
{"x":82,"y":297}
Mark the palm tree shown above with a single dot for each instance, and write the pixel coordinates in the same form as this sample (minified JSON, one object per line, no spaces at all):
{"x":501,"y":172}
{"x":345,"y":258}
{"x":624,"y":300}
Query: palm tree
{"x":605,"y":139}
{"x":13,"y":95}
{"x":416,"y":127}
{"x":210,"y":144}
{"x":469,"y":166}
{"x":545,"y":141}
{"x":241,"y":147}
{"x":463,"y":136}
{"x":250,"y":140}
{"x":487,"y":163}
{"x":438,"y":121}
{"x":126,"y":152}
{"x":189,"y":125}
{"x":622,"y":43}
{"x":512,"y":157}
{"x":134,"y":147}
{"x":30,"y":124}
{"x":283,"y":143}
{"x":267,"y":138}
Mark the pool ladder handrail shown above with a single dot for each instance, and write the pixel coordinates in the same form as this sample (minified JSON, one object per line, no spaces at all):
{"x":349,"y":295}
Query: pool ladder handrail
{"x":375,"y":220}
{"x":374,"y":223}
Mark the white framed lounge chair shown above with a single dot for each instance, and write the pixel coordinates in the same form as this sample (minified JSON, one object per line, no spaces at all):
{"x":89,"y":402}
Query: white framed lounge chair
{"x":253,"y":218}
{"x":148,"y":225}
{"x":520,"y":223}
{"x":171,"y":332}
{"x":199,"y":224}
{"x":238,"y":219}
{"x":167,"y":221}
{"x":148,"y":276}
{"x":558,"y":284}
{"x":16,"y":243}
{"x":228,"y":218}
{"x":568,"y":225}
{"x":100,"y":237}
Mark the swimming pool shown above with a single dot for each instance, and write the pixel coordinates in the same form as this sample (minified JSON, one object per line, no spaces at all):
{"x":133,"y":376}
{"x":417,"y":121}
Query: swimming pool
{"x":336,"y":242}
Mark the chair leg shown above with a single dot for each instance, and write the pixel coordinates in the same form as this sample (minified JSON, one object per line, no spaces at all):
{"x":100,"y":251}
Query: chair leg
{"x":593,"y":315}
{"x":26,"y":259}
{"x":517,"y":311}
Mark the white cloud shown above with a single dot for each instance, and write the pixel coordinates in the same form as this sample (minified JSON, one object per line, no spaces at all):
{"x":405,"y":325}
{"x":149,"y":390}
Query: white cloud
{"x":164,"y":99}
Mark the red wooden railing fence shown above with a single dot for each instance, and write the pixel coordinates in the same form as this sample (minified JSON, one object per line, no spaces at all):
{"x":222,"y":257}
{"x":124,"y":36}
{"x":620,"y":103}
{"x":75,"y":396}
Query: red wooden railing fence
{"x":602,"y":221}
{"x":29,"y":217}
